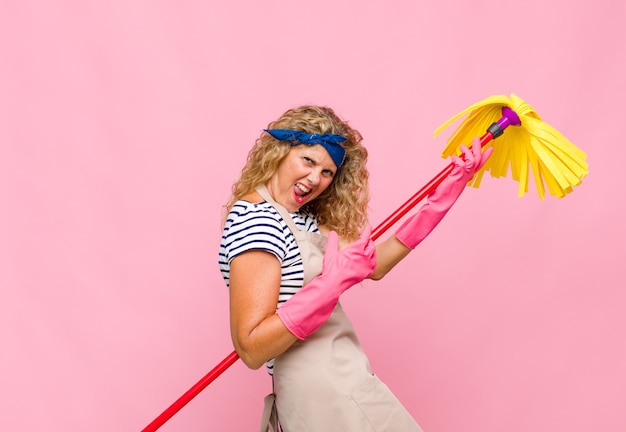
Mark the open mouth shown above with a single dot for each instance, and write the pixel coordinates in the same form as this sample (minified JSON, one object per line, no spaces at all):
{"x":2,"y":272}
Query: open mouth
{"x":301,"y":192}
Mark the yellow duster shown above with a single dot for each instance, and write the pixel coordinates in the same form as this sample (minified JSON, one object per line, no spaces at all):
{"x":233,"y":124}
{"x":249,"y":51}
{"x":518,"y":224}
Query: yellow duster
{"x":534,"y":146}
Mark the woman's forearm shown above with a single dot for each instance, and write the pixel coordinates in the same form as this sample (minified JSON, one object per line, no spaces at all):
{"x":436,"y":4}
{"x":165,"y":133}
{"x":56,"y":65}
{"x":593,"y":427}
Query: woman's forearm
{"x":269,"y":339}
{"x":388,"y":254}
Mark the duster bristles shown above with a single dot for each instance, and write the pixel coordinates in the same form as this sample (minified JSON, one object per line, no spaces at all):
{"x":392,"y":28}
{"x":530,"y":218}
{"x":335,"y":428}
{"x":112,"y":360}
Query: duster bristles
{"x":533,"y":147}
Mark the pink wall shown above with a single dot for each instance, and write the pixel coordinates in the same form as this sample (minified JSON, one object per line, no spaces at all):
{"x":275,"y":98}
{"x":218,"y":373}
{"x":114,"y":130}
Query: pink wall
{"x":123,"y":124}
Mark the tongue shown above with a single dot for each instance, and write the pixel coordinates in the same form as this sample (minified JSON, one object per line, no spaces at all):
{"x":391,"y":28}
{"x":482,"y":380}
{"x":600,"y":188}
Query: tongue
{"x":298,"y":194}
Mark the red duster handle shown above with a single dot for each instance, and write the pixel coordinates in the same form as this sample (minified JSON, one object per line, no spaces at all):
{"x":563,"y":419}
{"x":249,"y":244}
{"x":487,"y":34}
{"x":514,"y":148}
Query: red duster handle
{"x":192,"y":392}
{"x":504,"y":122}
{"x":422,"y":193}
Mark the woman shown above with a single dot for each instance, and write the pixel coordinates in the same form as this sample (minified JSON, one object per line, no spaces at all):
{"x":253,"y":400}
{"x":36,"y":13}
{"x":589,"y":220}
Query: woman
{"x":295,"y":238}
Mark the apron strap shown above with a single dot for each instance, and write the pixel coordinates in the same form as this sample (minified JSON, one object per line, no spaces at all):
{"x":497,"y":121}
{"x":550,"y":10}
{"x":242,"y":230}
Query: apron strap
{"x":269,"y":420}
{"x":310,"y":244}
{"x":265,"y":194}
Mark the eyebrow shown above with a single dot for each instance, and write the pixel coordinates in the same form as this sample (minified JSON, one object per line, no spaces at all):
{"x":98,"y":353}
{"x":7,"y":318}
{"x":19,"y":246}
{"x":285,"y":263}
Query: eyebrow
{"x":304,"y":152}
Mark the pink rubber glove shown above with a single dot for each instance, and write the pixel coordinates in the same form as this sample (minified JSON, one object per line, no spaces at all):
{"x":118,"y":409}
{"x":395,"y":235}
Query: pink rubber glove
{"x":310,"y":307}
{"x":417,"y":227}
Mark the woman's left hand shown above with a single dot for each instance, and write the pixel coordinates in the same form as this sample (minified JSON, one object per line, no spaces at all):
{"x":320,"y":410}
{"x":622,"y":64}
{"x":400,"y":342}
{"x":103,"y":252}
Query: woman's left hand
{"x":471,"y":161}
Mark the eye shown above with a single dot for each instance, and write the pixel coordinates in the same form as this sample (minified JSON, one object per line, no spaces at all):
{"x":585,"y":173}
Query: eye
{"x":328,"y":173}
{"x":307,"y":160}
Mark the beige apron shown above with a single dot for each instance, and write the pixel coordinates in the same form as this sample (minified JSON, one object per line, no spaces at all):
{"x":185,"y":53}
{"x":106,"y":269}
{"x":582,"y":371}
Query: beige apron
{"x":324,"y":383}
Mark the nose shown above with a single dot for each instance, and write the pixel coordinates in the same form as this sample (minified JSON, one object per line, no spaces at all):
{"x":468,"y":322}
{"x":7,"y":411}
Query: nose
{"x":314,"y":177}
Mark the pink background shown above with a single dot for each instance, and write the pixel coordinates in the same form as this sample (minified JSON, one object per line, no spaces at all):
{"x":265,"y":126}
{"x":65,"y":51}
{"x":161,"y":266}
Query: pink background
{"x":124,"y":123}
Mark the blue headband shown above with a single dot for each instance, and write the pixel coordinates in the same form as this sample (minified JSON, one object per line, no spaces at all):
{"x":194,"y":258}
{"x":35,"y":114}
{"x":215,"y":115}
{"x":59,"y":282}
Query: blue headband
{"x":329,"y":141}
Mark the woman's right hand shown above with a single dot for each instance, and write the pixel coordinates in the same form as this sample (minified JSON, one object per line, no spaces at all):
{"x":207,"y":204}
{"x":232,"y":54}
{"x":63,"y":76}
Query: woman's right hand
{"x":310,"y":307}
{"x":352,"y":264}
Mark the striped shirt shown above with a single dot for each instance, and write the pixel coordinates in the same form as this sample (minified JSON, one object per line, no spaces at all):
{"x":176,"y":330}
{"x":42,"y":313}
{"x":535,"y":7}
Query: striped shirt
{"x":259,"y":226}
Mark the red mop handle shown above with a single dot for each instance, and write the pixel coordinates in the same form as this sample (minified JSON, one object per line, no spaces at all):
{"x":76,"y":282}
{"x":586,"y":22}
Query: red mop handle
{"x":495,"y":130}
{"x":192,"y":392}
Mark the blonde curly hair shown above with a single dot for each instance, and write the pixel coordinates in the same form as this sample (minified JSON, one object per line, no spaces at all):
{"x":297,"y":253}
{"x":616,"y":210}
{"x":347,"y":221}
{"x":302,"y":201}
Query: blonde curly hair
{"x":342,"y":207}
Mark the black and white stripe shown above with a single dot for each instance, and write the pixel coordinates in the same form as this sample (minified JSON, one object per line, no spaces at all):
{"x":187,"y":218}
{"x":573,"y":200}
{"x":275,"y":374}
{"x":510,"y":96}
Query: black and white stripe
{"x":259,"y":226}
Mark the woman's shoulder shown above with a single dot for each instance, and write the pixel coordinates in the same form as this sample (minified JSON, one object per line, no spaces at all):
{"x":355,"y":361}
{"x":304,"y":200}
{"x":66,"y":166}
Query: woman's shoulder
{"x":245,"y":211}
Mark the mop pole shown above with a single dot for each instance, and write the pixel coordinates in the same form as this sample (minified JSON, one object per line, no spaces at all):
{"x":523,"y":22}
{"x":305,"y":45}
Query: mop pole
{"x":509,"y":117}
{"x":192,"y":392}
